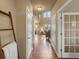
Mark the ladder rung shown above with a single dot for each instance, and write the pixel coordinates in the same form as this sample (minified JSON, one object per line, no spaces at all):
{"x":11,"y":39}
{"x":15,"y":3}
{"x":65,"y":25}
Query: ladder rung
{"x":4,"y":13}
{"x":5,"y":29}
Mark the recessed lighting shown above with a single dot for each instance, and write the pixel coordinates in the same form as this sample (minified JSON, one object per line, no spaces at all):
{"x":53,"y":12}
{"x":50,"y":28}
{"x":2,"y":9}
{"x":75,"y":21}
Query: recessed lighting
{"x":39,"y":8}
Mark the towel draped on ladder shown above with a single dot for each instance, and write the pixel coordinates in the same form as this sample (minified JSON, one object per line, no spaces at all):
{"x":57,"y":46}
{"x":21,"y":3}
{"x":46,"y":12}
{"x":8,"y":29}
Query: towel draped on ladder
{"x":10,"y":51}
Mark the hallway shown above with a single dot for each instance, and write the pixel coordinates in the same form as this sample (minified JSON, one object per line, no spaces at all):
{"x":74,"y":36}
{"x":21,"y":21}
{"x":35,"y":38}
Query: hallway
{"x":42,"y":50}
{"x":32,"y":20}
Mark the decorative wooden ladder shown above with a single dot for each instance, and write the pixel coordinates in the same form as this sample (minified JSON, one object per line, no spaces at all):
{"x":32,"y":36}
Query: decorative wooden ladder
{"x":9,"y":29}
{"x":10,"y":16}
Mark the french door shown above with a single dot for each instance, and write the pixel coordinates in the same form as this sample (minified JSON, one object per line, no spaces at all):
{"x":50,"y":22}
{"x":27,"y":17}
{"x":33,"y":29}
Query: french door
{"x":70,"y":35}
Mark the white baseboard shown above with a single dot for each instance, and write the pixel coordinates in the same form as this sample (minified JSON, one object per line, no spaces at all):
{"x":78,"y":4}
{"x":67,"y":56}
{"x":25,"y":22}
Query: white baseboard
{"x":54,"y":49}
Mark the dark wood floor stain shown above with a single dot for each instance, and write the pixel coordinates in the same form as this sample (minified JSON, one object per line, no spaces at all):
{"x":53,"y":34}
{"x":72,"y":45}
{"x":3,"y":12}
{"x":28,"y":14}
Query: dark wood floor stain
{"x":43,"y":50}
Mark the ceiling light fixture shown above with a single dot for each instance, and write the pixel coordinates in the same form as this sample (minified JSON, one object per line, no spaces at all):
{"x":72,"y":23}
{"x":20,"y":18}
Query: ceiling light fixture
{"x":39,"y":8}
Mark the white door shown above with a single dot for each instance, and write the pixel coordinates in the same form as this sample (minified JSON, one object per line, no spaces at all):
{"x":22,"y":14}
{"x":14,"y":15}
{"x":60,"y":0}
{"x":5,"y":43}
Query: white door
{"x":29,"y":32}
{"x":70,"y":35}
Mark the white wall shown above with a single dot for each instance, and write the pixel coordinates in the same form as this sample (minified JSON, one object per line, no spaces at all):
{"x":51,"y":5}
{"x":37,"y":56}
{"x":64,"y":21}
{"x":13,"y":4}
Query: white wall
{"x":21,"y":27}
{"x":71,"y":7}
{"x":55,"y":10}
{"x":53,"y":32}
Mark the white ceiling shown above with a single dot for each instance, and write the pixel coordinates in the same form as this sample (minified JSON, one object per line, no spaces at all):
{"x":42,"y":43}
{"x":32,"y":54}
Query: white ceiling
{"x":44,"y":4}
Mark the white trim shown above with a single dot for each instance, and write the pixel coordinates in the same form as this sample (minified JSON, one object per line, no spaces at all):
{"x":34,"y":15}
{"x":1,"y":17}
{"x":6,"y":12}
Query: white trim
{"x":71,"y":13}
{"x":63,"y":33}
{"x":29,"y":55}
{"x":54,"y":48}
{"x":64,"y":5}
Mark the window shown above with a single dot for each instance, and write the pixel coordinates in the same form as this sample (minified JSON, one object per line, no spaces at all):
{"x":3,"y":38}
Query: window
{"x":47,"y":14}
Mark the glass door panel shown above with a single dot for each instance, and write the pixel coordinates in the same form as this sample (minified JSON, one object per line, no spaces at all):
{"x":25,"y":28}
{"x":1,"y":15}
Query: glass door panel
{"x":72,"y":49}
{"x":66,"y":26}
{"x":77,"y":25}
{"x":77,"y":41}
{"x":77,"y":49}
{"x":67,"y":41}
{"x":67,"y":48}
{"x":66,"y":18}
{"x":77,"y":33}
{"x":66,"y":34}
{"x":72,"y":34}
{"x":77,"y":18}
{"x":72,"y":40}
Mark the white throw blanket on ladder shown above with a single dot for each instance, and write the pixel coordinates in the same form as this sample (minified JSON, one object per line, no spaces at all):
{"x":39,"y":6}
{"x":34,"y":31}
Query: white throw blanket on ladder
{"x":10,"y":51}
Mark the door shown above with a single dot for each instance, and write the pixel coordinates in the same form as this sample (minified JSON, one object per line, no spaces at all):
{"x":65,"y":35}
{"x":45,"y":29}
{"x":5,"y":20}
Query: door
{"x":70,"y":35}
{"x":29,"y":32}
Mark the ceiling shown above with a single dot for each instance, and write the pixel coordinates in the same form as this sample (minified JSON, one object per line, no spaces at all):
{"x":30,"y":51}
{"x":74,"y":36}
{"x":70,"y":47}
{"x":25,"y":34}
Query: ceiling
{"x":43,"y":4}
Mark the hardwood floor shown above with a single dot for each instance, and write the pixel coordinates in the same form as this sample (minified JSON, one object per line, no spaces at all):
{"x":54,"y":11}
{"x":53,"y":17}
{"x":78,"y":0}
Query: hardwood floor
{"x":42,"y":50}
